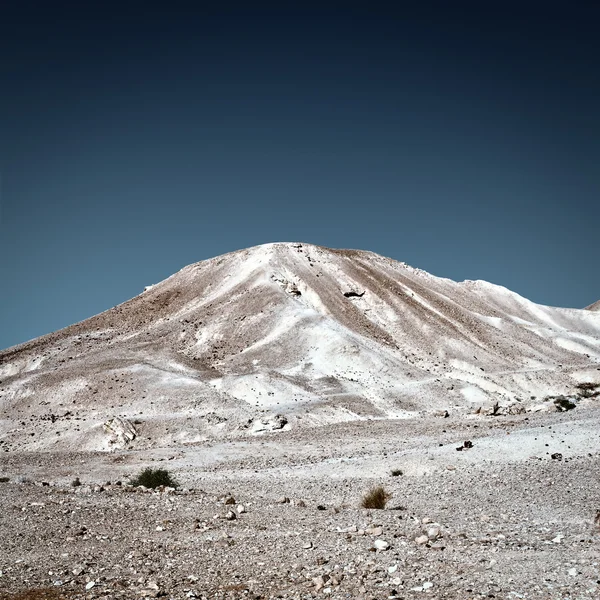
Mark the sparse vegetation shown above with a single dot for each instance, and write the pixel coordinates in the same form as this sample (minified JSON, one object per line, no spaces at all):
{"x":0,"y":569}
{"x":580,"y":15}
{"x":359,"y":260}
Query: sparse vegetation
{"x":76,"y":482}
{"x":4,"y":479}
{"x":376,"y":497}
{"x":153,"y":478}
{"x":588,"y":389}
{"x":397,"y":472}
{"x":563,"y":404}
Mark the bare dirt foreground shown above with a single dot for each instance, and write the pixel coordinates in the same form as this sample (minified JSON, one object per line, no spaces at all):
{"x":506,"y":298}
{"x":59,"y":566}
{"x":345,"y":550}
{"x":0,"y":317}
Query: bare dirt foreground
{"x":278,"y":516}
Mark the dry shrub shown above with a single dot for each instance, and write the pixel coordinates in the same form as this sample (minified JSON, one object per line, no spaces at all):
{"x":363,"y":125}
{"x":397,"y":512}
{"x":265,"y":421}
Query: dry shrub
{"x":153,"y":478}
{"x":376,"y":497}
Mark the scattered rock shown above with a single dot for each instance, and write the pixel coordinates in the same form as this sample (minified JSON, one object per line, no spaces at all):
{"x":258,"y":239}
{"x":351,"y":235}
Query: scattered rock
{"x":121,"y":431}
{"x":381,"y":544}
{"x":269,"y":423}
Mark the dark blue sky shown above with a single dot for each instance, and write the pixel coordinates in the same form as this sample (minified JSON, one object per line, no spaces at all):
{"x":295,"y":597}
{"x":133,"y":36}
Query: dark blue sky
{"x":460,"y":138}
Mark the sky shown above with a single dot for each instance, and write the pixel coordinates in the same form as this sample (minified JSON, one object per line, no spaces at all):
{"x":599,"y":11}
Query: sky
{"x":135,"y":139}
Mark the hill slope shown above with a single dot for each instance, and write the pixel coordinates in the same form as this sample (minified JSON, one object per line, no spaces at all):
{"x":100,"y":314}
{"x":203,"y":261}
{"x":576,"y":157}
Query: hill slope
{"x":288,"y":335}
{"x":595,"y":306}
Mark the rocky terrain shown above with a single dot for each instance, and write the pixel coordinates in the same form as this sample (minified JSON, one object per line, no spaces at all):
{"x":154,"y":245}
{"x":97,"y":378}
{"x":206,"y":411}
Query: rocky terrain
{"x":278,"y":385}
{"x":280,"y":517}
{"x":288,"y":336}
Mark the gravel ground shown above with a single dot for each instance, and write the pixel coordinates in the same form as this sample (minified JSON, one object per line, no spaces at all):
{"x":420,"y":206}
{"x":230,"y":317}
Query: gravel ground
{"x":499,"y":520}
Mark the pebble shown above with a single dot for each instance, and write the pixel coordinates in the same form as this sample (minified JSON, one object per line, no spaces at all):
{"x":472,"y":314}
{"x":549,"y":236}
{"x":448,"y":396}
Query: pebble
{"x":381,"y":545}
{"x":422,"y":588}
{"x":319,"y":582}
{"x":422,"y":539}
{"x":90,"y":585}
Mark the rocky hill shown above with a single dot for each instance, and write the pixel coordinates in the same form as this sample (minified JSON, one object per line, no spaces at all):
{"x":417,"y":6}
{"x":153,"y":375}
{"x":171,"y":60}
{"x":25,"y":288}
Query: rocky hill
{"x":286,"y":336}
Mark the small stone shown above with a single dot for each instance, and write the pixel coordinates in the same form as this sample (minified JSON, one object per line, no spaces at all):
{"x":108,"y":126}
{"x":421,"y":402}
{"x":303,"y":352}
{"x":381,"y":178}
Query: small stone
{"x":319,"y":582}
{"x":573,"y":572}
{"x":229,"y":500}
{"x":422,"y":588}
{"x":433,"y":533}
{"x":422,"y":539}
{"x":426,"y":520}
{"x":282,"y":500}
{"x":299,"y":503}
{"x":381,"y":545}
{"x":241,"y":509}
{"x":307,"y":546}
{"x":230,"y":515}
{"x":90,"y":585}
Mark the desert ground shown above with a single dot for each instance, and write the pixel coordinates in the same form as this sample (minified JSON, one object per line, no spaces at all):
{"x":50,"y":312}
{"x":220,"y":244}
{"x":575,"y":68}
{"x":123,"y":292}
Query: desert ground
{"x":279,"y":515}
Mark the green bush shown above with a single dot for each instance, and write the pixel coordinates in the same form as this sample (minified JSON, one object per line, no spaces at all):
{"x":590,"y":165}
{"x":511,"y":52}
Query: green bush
{"x":376,"y":497}
{"x":153,"y":478}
